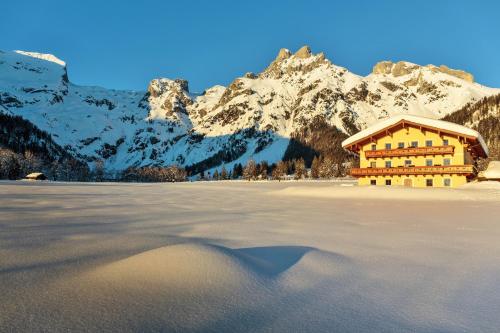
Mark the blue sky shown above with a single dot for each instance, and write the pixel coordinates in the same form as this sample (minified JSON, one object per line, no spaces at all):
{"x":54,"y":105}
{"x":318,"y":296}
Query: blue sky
{"x":125,"y":44}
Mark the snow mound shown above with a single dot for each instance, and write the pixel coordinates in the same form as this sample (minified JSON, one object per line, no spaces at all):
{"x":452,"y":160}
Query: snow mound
{"x":194,"y":266}
{"x":189,"y":287}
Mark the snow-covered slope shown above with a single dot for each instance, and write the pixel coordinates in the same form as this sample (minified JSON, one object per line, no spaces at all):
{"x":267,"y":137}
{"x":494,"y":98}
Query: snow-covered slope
{"x":254,"y":116}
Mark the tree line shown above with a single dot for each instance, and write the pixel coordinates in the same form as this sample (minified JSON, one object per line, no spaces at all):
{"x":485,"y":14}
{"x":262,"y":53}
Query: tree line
{"x":321,"y":168}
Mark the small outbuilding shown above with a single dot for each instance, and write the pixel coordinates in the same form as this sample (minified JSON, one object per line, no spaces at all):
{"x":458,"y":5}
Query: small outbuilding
{"x":36,"y":176}
{"x":492,"y":172}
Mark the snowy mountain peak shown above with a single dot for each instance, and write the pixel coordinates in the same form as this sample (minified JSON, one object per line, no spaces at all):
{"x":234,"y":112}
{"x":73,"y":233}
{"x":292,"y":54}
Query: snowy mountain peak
{"x":43,"y":56}
{"x":283,"y":54}
{"x":303,"y":52}
{"x":287,"y":64}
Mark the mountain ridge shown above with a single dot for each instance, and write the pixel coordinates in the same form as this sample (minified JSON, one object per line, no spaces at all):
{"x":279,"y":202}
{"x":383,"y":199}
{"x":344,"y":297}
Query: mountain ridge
{"x":256,"y":116}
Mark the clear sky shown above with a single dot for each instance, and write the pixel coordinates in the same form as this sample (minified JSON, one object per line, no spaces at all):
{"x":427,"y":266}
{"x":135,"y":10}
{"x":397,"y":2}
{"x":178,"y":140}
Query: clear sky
{"x":125,"y":44}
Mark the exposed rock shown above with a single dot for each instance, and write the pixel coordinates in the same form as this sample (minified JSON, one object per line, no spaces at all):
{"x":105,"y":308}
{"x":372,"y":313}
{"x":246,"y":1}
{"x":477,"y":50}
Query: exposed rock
{"x":283,"y":54}
{"x":250,"y":75}
{"x":396,"y":69}
{"x":383,"y":67}
{"x":455,"y":72}
{"x":303,"y":52}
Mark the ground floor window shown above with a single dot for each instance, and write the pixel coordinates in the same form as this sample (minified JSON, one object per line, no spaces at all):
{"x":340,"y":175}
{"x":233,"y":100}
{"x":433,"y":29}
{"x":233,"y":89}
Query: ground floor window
{"x":447,"y":182}
{"x":373,"y":182}
{"x":387,"y":182}
{"x":428,"y":182}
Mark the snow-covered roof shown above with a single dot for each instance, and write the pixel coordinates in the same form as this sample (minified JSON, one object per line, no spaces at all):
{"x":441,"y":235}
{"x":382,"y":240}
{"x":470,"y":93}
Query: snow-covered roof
{"x":441,"y":124}
{"x":493,"y":170}
{"x":35,"y":175}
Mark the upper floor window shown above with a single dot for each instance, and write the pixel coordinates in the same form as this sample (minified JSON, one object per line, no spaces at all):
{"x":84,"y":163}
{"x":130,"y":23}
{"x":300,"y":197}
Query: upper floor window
{"x":428,"y":143}
{"x":428,"y":162}
{"x":445,"y":142}
{"x":446,"y":161}
{"x":414,"y":144}
{"x":373,"y":164}
{"x":387,"y":146}
{"x":401,"y":144}
{"x":407,"y":163}
{"x":388,"y":164}
{"x":374,"y":147}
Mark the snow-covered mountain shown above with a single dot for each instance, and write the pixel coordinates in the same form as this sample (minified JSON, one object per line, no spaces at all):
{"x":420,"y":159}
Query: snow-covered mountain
{"x":255,"y":116}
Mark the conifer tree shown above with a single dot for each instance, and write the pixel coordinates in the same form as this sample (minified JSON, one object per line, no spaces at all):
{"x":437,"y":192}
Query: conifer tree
{"x":327,"y":168}
{"x":315,"y":167}
{"x":280,"y":170}
{"x":300,"y":168}
{"x":223,"y":173}
{"x":264,"y":169}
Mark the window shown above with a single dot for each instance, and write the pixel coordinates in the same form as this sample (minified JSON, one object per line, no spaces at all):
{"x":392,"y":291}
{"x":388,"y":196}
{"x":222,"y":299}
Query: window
{"x":446,"y":161}
{"x":373,"y":182}
{"x":401,"y":144}
{"x":407,"y":163}
{"x":374,"y":147}
{"x":428,"y":162}
{"x":447,"y":182}
{"x":387,"y":164}
{"x":428,"y":143}
{"x":428,"y":182}
{"x":387,"y":146}
{"x":373,"y":164}
{"x":387,"y":182}
{"x":414,"y":144}
{"x":445,"y":142}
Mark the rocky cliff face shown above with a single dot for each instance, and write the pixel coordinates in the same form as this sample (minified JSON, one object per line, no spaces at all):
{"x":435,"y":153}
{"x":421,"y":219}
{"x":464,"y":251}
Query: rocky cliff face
{"x":254,"y":117}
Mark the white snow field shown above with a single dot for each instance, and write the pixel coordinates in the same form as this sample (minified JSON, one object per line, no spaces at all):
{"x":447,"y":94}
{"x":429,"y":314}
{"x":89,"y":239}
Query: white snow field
{"x":248,"y":257}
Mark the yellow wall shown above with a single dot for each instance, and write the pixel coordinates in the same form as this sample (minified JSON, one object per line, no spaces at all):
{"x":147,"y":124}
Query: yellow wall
{"x":407,"y":135}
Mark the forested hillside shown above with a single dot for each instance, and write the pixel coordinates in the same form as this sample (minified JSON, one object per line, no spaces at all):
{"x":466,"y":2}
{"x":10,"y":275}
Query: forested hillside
{"x":483,"y":116}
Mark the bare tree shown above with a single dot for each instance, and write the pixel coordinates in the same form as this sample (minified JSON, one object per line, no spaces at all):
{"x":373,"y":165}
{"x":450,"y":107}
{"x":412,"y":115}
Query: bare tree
{"x":280,"y":170}
{"x":250,"y":170}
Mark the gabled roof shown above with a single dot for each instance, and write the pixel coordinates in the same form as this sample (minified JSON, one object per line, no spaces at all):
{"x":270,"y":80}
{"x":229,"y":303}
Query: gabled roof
{"x":444,"y":126}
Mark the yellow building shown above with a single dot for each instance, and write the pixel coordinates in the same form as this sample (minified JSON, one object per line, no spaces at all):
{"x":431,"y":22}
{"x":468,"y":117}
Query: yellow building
{"x":416,"y":151}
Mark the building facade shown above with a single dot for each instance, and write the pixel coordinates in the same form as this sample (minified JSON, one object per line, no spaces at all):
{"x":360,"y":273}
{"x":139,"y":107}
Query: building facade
{"x":416,"y":152}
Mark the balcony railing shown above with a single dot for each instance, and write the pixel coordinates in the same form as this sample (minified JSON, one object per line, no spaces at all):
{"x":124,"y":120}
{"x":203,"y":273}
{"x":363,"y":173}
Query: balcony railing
{"x":411,"y":151}
{"x":417,"y":170}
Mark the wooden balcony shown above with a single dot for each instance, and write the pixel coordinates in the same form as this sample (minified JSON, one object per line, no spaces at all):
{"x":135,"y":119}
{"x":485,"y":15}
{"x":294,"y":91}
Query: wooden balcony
{"x":411,"y":151}
{"x":417,"y":170}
